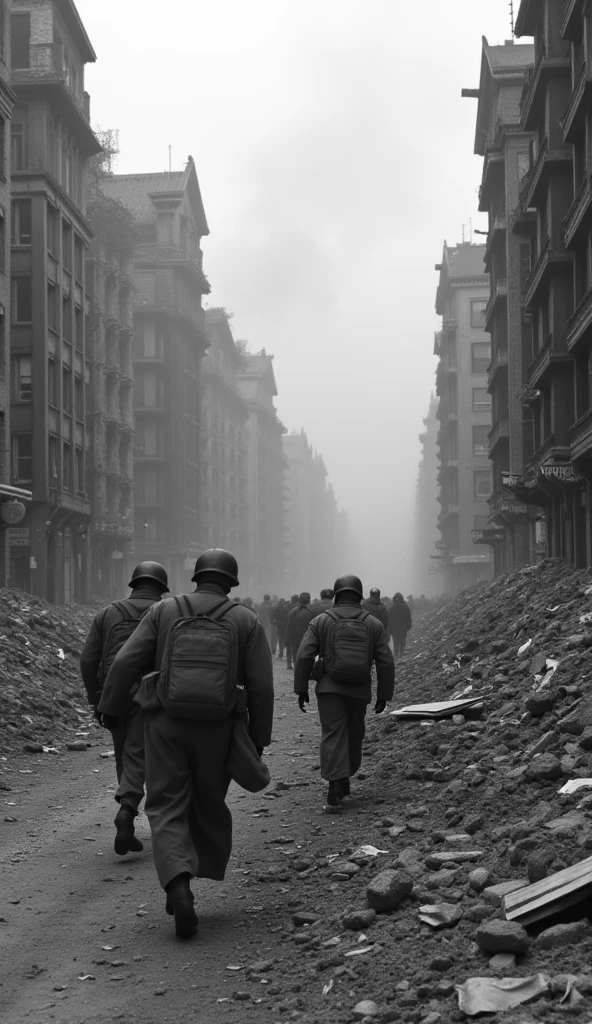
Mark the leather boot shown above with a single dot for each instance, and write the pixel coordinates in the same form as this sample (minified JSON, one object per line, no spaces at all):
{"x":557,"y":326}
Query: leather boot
{"x":179,"y":902}
{"x":125,"y":840}
{"x":344,"y":787}
{"x":334,"y":795}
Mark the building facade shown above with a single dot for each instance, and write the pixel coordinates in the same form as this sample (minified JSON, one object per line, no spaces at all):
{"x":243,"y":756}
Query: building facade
{"x":224,"y":470}
{"x":110,"y":413}
{"x":464,"y":415}
{"x":265,"y":472}
{"x":427,"y":542}
{"x":505,"y":147}
{"x":168,"y":347}
{"x":51,"y":143}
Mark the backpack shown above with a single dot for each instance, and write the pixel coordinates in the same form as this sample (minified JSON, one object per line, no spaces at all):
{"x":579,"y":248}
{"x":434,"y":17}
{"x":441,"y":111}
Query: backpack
{"x":349,"y":651}
{"x":119,"y":632}
{"x":198,"y":678}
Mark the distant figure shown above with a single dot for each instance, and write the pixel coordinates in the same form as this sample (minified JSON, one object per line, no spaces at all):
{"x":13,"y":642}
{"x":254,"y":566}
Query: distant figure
{"x":265,"y":611}
{"x":347,"y":641}
{"x":325,"y":602}
{"x":280,"y":617}
{"x":298,"y":622}
{"x":374,"y":605}
{"x":399,"y":618}
{"x":248,"y":602}
{"x":274,"y":635}
{"x":290,"y":654}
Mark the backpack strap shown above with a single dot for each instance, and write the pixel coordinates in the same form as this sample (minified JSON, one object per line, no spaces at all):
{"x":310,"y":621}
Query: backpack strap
{"x":217,"y":612}
{"x":140,"y":611}
{"x":339,"y":618}
{"x":123,"y":611}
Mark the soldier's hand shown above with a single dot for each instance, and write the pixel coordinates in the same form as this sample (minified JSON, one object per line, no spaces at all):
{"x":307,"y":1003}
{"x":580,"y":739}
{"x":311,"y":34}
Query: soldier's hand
{"x":109,"y":722}
{"x":303,"y":699}
{"x":97,"y":716}
{"x":379,"y":707}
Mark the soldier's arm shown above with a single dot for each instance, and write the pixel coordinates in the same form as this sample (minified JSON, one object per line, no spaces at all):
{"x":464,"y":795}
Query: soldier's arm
{"x":257,"y":674}
{"x":90,"y":658}
{"x":307,"y":652}
{"x":385,"y":666}
{"x":135,"y":659}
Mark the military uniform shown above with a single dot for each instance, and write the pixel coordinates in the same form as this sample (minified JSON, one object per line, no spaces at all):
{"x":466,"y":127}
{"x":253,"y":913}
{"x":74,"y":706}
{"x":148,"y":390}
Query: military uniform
{"x":186,"y":775}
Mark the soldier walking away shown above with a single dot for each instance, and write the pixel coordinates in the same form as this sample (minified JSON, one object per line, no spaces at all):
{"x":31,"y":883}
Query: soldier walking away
{"x":111,"y":627}
{"x":290,"y":654}
{"x":265,"y":611}
{"x":203,"y":648}
{"x":399,"y":622}
{"x":347,"y":641}
{"x":280,"y":618}
{"x":297,"y":623}
{"x":374,"y":605}
{"x":325,"y":602}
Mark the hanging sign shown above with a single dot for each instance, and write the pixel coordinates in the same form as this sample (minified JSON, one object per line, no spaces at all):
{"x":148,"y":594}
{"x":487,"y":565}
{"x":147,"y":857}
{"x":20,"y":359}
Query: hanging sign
{"x":12,"y":512}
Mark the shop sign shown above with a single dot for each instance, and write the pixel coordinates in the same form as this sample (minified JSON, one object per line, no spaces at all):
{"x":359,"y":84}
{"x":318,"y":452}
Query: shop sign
{"x":18,"y":536}
{"x":487,"y":537}
{"x":512,"y":480}
{"x":12,"y":511}
{"x":514,"y":510}
{"x":565,"y":473}
{"x":470,"y":559}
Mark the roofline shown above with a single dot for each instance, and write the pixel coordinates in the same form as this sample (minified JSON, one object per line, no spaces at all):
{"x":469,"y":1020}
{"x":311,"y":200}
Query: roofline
{"x":522,"y":26}
{"x":189,"y":182}
{"x":514,"y":75}
{"x":73,"y":20}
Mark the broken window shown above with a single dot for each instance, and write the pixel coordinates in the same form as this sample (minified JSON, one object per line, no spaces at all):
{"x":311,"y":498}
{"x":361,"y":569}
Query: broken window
{"x":21,"y":222}
{"x":482,"y":484}
{"x":21,"y":378}
{"x":21,"y":307}
{"x":22,"y":458}
{"x":480,"y":439}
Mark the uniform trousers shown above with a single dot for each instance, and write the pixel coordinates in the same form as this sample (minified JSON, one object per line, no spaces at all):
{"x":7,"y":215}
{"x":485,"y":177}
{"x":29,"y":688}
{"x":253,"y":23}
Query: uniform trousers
{"x":186,"y":786}
{"x":399,"y":641}
{"x":342,"y":732}
{"x":128,"y":743}
{"x":281,"y":635}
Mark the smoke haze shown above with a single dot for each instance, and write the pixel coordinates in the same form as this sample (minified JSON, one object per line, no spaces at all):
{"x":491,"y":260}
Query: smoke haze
{"x":334,"y":155}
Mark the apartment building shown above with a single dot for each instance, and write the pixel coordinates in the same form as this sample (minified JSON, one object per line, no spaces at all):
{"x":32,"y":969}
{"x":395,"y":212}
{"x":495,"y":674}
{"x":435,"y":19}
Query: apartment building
{"x":224,"y":471}
{"x":168,"y":347}
{"x":505,"y":147}
{"x":464,"y":415}
{"x":426,"y":560}
{"x":51,"y":143}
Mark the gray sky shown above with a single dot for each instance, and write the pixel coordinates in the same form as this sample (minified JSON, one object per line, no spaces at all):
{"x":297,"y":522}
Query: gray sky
{"x":334,"y":154}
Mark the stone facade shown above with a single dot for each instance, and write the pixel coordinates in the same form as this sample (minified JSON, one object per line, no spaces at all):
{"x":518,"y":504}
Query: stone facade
{"x":427,"y":560}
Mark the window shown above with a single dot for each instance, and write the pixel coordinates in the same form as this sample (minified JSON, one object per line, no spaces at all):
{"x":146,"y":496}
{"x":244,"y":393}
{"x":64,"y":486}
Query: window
{"x":51,"y":381}
{"x":66,"y":245}
{"x":21,"y":222}
{"x":52,"y":307}
{"x":53,"y":227}
{"x":482,"y":484}
{"x":2,"y":241}
{"x":481,"y":400}
{"x":478,"y":307}
{"x":20,"y":39}
{"x":480,"y":440}
{"x":67,"y":466}
{"x":2,"y":147}
{"x":52,"y":454}
{"x":18,"y":148}
{"x":66,"y":318}
{"x":78,"y":397}
{"x":21,"y":378}
{"x":21,"y":300}
{"x":152,"y":441}
{"x":79,"y":469}
{"x":67,"y":389}
{"x":78,"y":327}
{"x":22,"y":458}
{"x":78,"y":258}
{"x":480,"y":356}
{"x":150,"y":390}
{"x":149,"y":490}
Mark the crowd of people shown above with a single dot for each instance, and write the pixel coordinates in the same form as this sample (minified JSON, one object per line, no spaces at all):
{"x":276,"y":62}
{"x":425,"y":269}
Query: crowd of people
{"x":185,"y":685}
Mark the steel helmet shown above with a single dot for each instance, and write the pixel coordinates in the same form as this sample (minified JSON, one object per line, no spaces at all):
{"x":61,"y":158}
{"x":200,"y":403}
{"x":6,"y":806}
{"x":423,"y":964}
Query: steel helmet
{"x":348,"y":582}
{"x":150,"y":571}
{"x":219,"y":561}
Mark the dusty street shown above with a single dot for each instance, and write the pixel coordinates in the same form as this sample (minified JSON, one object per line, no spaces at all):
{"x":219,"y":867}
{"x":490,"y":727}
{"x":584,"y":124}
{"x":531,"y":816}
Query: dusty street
{"x":83,"y":934}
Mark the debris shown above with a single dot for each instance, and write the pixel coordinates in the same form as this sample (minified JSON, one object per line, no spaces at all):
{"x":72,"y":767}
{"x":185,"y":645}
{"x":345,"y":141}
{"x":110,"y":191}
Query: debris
{"x":364,"y":852}
{"x":77,"y":745}
{"x":479,"y":879}
{"x":561,"y":889}
{"x":492,"y":995}
{"x":388,"y":889}
{"x":574,"y":784}
{"x":524,"y":648}
{"x":61,"y":654}
{"x":435,"y":860}
{"x":563,"y":935}
{"x":33,"y":748}
{"x":366,"y":1008}
{"x":494,"y":894}
{"x":545,"y":767}
{"x":502,"y":961}
{"x":440,"y":915}
{"x":356,"y":920}
{"x":437,"y":709}
{"x":327,"y":988}
{"x":501,"y":937}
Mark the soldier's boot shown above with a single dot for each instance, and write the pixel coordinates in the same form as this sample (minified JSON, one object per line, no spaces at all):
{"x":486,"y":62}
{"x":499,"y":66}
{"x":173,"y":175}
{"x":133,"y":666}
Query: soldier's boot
{"x":344,"y":787}
{"x":125,"y":839}
{"x":179,"y":902}
{"x":334,"y":795}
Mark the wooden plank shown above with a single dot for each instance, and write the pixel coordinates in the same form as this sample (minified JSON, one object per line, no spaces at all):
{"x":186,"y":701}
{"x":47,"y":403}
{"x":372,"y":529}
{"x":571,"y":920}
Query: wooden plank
{"x":437,"y":708}
{"x":575,"y":892}
{"x":547,"y":886}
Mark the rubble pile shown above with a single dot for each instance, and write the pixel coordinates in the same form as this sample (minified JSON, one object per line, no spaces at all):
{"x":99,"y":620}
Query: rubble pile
{"x":42,"y":700}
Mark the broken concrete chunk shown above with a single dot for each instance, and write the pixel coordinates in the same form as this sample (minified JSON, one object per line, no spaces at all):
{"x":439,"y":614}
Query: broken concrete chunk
{"x":357,"y":920}
{"x":501,"y":937}
{"x":563,"y":935}
{"x":387,"y":890}
{"x":435,"y":860}
{"x":544,"y":768}
{"x":440,"y":915}
{"x":479,"y":879}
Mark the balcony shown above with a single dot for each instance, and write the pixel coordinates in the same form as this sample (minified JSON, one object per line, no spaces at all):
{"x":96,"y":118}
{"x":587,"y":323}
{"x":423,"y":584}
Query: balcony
{"x":500,"y":432}
{"x":174,"y":256}
{"x":498,"y":362}
{"x":548,"y":257}
{"x":581,"y":434}
{"x":500,"y":292}
{"x":571,"y":23}
{"x":536,"y":79}
{"x":571,"y":122}
{"x":546,"y":158}
{"x":492,"y":161}
{"x":523,"y":219}
{"x":577,"y":216}
{"x":497,"y":233}
{"x":580,"y":322}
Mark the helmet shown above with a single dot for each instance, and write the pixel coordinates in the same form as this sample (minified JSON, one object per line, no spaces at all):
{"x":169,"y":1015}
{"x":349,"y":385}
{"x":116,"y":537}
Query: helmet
{"x":150,"y":571}
{"x":219,"y":561}
{"x":348,"y":582}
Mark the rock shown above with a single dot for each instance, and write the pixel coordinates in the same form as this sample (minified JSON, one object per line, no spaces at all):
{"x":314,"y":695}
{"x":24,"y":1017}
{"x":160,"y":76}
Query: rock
{"x":470,"y":645}
{"x":586,"y":738}
{"x":538,"y":704}
{"x":458,"y":719}
{"x":502,"y":961}
{"x":567,"y":824}
{"x":34,"y":748}
{"x":563,"y":935}
{"x":442,"y":879}
{"x":544,"y":768}
{"x":441,"y":963}
{"x":538,"y":664}
{"x":301,"y":918}
{"x":396,"y":830}
{"x":479,"y":879}
{"x":501,"y":937}
{"x":357,"y":920}
{"x":479,"y":912}
{"x":345,"y":869}
{"x":388,"y":889}
{"x":440,"y":915}
{"x":547,"y":740}
{"x":435,"y":860}
{"x":77,"y":745}
{"x":366,"y":1008}
{"x":472,"y":824}
{"x":537,"y":865}
{"x":499,"y":646}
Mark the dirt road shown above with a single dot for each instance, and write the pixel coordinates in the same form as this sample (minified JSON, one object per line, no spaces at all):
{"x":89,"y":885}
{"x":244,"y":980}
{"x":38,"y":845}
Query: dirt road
{"x":83,"y":934}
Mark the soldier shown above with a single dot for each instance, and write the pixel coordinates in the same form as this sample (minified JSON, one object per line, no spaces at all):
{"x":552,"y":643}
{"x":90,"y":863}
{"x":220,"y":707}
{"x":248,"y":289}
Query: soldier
{"x":205,"y":649}
{"x":376,"y":608}
{"x":290,"y":654}
{"x":265,"y":611}
{"x":280,"y":618}
{"x":347,"y":640}
{"x":297,"y":623}
{"x":399,"y":622}
{"x":111,"y":627}
{"x":325,"y":602}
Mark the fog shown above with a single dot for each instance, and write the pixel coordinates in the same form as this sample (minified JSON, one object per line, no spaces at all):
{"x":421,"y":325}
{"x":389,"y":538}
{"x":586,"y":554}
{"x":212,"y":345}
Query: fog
{"x":334,"y":154}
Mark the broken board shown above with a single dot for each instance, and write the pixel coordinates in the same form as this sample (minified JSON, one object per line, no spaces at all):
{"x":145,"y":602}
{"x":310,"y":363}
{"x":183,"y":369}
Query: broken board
{"x":550,"y":895}
{"x":438,"y":709}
